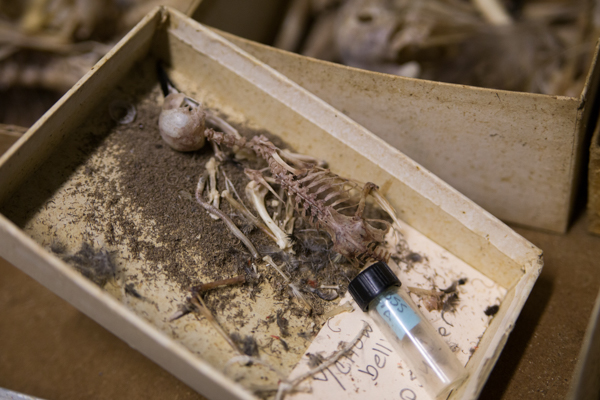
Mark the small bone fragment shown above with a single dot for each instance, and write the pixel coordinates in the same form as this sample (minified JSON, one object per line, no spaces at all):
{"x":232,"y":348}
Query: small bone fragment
{"x":288,"y":221}
{"x":258,"y":177}
{"x":387,"y":207}
{"x":256,"y":194}
{"x":346,"y":307}
{"x":213,"y":193}
{"x":325,"y":296}
{"x":221,"y":124}
{"x":285,"y":165}
{"x":240,"y":154}
{"x":432,"y":299}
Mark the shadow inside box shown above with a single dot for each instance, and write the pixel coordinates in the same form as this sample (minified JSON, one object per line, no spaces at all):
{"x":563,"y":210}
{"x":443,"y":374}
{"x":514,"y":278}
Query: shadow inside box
{"x":72,"y":153}
{"x":508,"y":363}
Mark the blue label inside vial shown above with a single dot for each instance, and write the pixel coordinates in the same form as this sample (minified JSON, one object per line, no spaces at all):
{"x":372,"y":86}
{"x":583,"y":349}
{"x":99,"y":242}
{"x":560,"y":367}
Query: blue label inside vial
{"x":398,"y":314}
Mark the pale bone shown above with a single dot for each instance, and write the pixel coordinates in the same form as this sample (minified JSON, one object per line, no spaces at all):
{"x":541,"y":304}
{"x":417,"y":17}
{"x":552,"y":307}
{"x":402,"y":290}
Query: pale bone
{"x":285,"y":165}
{"x":320,"y":42}
{"x":49,"y":43}
{"x":224,"y":126}
{"x":288,"y":222}
{"x":387,"y":207}
{"x":61,"y":29}
{"x":256,"y":194}
{"x":221,"y":124}
{"x":59,"y":74}
{"x":247,"y":214}
{"x":301,"y":159}
{"x":213,"y":193}
{"x":277,"y":213}
{"x":229,"y":186}
{"x":258,"y":177}
{"x":493,"y":11}
{"x":334,"y":287}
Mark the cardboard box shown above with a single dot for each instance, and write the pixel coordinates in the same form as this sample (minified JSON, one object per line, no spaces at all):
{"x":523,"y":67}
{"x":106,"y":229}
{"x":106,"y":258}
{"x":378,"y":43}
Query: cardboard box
{"x":593,"y":205}
{"x":9,"y":134}
{"x":46,"y":195}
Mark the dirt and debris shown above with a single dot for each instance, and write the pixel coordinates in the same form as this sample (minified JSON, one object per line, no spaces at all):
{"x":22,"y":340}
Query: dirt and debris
{"x":96,"y":265}
{"x":131,"y":290}
{"x":283,"y":324}
{"x":284,"y":344}
{"x":182,"y":310}
{"x":444,"y":300}
{"x":315,"y":359}
{"x":247,"y":344}
{"x":492,"y":310}
{"x":415,"y":257}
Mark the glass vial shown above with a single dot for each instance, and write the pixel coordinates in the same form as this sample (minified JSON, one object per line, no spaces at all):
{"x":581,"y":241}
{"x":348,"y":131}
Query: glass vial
{"x":377,"y":291}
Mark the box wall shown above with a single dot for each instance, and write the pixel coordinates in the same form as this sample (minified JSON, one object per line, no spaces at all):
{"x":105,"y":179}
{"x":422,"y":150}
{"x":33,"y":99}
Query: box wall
{"x":593,"y":206}
{"x":515,"y":154}
{"x":37,"y":144}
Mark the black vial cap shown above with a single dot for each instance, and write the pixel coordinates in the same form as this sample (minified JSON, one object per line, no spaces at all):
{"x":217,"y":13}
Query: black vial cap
{"x":371,"y":282}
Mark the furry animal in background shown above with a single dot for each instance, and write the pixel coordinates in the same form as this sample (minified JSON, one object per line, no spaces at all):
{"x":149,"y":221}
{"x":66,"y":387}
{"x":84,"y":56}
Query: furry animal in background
{"x":532,"y":46}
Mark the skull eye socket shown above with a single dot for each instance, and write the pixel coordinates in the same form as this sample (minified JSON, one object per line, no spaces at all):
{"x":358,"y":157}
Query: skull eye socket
{"x":365,"y":17}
